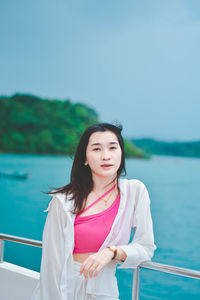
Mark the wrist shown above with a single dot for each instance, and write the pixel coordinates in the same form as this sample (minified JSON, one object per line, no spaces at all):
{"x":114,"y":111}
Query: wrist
{"x":108,"y":253}
{"x":112,"y":249}
{"x":121,"y":254}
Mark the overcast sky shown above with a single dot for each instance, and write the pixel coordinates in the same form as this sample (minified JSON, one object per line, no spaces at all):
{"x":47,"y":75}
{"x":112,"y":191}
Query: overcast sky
{"x":135,"y":62}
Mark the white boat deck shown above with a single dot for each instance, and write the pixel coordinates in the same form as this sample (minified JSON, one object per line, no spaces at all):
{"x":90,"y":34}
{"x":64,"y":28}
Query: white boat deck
{"x":16,"y":283}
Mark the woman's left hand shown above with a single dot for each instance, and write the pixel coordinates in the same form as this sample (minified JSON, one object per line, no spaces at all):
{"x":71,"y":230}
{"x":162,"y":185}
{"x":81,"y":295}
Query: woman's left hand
{"x":96,"y":261}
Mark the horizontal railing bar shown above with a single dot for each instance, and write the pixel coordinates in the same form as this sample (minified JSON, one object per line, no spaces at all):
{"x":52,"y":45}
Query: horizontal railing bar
{"x":17,"y":239}
{"x":170,"y":269}
{"x":147,"y":265}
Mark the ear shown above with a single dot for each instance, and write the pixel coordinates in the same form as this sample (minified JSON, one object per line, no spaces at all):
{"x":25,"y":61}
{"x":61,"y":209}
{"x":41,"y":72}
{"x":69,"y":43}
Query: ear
{"x":86,"y":163}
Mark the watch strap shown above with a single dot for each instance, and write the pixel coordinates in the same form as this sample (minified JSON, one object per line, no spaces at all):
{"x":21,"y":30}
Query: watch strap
{"x":114,"y":250}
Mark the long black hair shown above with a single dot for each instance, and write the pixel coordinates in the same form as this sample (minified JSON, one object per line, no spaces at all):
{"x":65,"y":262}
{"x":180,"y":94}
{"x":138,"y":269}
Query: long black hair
{"x":81,"y":182}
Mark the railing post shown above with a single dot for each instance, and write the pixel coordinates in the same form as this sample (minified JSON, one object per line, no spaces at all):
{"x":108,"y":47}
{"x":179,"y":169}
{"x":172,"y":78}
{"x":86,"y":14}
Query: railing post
{"x":136,"y":284}
{"x":1,"y":250}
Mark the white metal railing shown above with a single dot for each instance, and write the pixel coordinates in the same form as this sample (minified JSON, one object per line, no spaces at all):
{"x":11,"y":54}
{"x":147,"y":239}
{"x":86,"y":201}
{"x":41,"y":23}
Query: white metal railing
{"x":136,"y":273}
{"x":161,"y":268}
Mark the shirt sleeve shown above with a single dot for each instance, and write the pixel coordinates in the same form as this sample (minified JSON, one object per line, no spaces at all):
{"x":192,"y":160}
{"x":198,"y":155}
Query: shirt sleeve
{"x":53,"y":256}
{"x":142,"y":246}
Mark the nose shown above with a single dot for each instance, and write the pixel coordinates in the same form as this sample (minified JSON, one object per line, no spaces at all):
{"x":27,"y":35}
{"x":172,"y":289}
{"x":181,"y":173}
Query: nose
{"x":106,"y":155}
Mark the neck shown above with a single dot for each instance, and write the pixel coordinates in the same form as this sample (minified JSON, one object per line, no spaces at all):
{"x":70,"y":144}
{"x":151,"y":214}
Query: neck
{"x":101,"y":185}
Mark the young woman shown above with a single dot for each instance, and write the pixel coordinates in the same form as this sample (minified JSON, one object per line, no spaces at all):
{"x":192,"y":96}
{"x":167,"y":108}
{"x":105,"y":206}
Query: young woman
{"x":89,"y":222}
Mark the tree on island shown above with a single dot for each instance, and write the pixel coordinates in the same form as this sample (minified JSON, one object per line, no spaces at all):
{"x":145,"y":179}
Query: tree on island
{"x":30,"y":124}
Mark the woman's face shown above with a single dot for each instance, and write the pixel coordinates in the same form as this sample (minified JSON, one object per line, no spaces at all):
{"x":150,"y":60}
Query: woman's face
{"x":103,"y":154}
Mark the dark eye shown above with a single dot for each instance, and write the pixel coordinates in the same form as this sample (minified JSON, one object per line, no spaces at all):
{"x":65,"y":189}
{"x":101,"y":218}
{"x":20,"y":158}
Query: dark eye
{"x":113,"y":147}
{"x":96,"y":149}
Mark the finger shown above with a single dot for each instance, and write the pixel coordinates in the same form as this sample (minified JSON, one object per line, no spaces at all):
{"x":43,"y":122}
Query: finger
{"x":86,"y":263}
{"x":85,"y":273}
{"x":92,"y":268}
{"x":86,"y":268}
{"x":98,"y":269}
{"x":82,"y":268}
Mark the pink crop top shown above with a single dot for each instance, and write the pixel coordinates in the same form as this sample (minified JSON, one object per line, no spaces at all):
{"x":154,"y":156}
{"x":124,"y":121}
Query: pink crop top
{"x":91,"y":231}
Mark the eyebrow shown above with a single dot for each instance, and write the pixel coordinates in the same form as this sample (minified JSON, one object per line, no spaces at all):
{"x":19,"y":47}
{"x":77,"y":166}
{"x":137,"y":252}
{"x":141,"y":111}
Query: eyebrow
{"x":111,"y":143}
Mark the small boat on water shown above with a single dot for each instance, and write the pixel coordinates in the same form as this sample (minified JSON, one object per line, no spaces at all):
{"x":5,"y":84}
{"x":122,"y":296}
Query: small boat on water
{"x":15,"y":174}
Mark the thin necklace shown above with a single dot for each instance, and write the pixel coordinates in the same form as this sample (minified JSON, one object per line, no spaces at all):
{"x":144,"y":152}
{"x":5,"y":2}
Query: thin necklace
{"x":107,"y":198}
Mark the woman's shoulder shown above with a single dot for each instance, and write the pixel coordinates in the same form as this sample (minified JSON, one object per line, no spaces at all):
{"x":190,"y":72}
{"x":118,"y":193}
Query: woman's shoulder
{"x":134,"y":188}
{"x":60,"y":200}
{"x":132,"y":184}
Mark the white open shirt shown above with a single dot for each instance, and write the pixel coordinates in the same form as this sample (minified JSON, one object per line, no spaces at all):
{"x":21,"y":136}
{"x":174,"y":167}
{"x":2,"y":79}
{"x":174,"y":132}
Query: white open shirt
{"x":56,"y":275}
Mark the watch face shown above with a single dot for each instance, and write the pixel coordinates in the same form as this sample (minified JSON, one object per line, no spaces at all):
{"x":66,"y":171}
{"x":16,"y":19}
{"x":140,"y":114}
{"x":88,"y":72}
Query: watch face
{"x":113,"y":247}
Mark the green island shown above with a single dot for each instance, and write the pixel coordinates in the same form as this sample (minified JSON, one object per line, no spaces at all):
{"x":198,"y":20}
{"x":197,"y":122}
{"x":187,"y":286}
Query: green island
{"x":152,"y":146}
{"x":34,"y":125}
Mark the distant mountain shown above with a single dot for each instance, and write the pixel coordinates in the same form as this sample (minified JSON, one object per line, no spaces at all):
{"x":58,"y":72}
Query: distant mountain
{"x":30,"y":124}
{"x":152,"y":146}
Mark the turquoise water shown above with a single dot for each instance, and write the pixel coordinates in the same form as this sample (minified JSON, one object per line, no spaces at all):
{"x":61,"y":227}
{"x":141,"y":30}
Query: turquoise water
{"x":173,"y":184}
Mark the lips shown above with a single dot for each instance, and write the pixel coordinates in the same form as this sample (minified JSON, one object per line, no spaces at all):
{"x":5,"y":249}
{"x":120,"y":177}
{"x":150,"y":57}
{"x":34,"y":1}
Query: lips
{"x":106,"y":165}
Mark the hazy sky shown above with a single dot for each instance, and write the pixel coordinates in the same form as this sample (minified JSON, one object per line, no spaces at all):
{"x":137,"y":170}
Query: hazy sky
{"x":137,"y":62}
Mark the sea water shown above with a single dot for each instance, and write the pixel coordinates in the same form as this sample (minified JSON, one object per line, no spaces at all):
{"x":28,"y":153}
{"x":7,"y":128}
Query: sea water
{"x":174,"y":188}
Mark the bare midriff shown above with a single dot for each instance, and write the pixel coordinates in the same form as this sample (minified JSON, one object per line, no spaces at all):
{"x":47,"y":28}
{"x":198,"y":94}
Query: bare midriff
{"x":80,"y":257}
